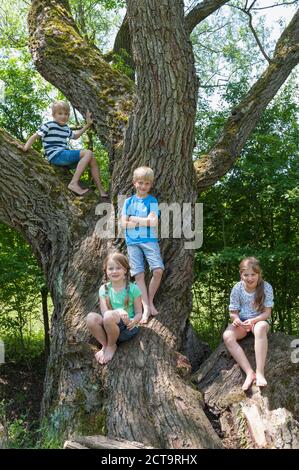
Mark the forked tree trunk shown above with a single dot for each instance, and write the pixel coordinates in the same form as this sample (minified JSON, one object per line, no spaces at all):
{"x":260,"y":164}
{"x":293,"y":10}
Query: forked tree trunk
{"x":143,"y":394}
{"x":140,"y":396}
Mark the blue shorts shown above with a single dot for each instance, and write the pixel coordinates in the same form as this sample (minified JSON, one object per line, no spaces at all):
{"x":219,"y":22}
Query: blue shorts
{"x":151,"y":251}
{"x":125,"y":334}
{"x":68,"y":158}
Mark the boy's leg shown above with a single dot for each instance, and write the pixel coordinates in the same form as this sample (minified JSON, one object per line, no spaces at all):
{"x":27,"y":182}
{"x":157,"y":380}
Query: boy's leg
{"x":140,"y":281}
{"x":260,"y":331}
{"x":111,"y":320}
{"x":230,"y":337}
{"x":95,"y":173}
{"x":136,"y":261}
{"x":69,"y":158}
{"x":153,"y":287}
{"x":85,"y":158}
{"x":151,"y":251}
{"x":94,"y":323}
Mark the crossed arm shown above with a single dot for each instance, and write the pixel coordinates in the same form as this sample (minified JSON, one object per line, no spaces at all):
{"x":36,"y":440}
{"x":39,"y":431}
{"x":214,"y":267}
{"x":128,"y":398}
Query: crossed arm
{"x":131,"y":221}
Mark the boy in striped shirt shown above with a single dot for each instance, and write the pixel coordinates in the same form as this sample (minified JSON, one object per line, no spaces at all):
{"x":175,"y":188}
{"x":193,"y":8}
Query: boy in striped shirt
{"x":54,"y":135}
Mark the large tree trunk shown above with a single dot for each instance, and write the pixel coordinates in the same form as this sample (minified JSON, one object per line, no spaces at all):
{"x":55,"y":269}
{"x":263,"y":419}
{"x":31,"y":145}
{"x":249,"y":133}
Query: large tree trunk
{"x":260,"y":418}
{"x":143,"y":394}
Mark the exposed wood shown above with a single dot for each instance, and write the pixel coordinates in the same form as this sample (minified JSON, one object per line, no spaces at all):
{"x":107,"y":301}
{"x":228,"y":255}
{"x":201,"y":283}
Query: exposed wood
{"x":144,"y":394}
{"x":263,"y":417}
{"x":102,"y":442}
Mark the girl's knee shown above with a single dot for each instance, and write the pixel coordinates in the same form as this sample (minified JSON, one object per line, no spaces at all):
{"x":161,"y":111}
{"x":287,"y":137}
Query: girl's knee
{"x":228,"y":337}
{"x":93,"y":319}
{"x":110,"y":317}
{"x":261,"y":328}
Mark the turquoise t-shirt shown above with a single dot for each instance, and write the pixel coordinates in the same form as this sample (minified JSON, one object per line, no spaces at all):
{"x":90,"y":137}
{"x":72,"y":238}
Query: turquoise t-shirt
{"x":117,"y":298}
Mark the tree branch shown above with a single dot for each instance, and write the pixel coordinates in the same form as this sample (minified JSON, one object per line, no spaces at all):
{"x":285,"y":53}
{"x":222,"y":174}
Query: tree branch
{"x":243,"y":119}
{"x":276,"y":5}
{"x":248,"y":13}
{"x":65,"y":59}
{"x":123,"y":42}
{"x":201,"y":12}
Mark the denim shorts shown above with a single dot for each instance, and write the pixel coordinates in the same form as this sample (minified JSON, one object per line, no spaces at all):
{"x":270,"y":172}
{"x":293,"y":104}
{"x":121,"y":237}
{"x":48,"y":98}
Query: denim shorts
{"x":125,"y":334}
{"x":136,"y":253}
{"x":68,"y":158}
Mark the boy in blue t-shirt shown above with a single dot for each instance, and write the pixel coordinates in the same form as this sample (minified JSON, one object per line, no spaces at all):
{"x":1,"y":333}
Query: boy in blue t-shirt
{"x":140,"y":219}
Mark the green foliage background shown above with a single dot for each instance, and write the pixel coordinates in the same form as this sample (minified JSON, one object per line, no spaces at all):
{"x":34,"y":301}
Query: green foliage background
{"x":253,"y":210}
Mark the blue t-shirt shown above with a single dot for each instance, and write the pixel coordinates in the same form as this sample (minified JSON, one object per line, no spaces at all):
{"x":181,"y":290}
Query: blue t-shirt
{"x":140,"y":207}
{"x":54,"y":138}
{"x":243,"y":301}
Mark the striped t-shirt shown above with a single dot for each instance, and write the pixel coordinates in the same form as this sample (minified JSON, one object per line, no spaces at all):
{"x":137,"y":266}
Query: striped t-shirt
{"x":54,"y":137}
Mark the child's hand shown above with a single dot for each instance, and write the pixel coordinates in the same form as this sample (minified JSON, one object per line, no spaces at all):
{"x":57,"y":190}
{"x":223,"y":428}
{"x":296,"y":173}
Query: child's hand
{"x":131,"y":324}
{"x":89,"y":120}
{"x":124,"y":316}
{"x":248,"y":325}
{"x":237,"y":322}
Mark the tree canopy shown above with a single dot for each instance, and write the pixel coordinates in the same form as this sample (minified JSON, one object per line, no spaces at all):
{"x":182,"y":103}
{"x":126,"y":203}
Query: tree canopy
{"x":152,"y":97}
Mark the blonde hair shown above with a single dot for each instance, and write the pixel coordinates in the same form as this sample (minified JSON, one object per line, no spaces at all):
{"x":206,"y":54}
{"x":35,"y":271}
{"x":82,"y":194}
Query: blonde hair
{"x":143,"y":172}
{"x":253,"y":263}
{"x":60,"y":105}
{"x":121,"y":259}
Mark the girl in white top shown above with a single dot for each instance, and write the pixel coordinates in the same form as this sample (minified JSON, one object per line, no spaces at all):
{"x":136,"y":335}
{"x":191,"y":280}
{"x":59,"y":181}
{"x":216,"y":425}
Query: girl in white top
{"x":251,"y":302}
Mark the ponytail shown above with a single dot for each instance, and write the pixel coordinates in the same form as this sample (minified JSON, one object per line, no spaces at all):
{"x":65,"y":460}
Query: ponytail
{"x":259,"y":297}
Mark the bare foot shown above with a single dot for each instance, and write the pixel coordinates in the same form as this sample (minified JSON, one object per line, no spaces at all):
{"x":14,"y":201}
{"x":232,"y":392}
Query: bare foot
{"x":260,"y":380}
{"x":250,"y":378}
{"x":146,"y":314}
{"x":100,"y":355}
{"x":109,"y":353}
{"x":154,"y":311}
{"x":76,"y":189}
{"x":145,"y":318}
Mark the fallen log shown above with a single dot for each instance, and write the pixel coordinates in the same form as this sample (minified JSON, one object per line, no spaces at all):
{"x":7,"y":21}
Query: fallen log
{"x":262,"y":417}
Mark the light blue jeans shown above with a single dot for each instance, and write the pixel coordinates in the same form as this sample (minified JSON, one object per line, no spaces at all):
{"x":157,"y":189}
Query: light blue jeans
{"x":137,"y":253}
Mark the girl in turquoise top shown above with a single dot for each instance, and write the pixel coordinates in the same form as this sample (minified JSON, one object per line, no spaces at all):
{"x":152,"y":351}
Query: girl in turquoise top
{"x":121,"y":308}
{"x":251,"y":302}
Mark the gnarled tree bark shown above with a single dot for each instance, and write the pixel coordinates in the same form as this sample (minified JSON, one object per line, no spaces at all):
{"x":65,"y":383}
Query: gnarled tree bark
{"x":143,"y":394}
{"x":260,"y":418}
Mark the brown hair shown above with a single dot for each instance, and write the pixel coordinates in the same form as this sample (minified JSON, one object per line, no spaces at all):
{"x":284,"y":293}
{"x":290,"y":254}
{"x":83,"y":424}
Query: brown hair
{"x":121,"y":259}
{"x":254,"y":264}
